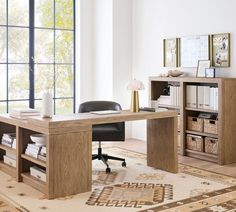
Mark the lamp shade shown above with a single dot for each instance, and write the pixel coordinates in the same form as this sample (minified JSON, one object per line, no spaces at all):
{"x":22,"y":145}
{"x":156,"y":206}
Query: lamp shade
{"x":135,"y":85}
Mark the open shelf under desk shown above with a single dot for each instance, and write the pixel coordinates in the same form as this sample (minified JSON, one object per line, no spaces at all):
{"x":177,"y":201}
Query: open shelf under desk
{"x":202,"y":134}
{"x":34,"y":160}
{"x":34,"y":182}
{"x":201,"y":110}
{"x":202,"y":155}
{"x":8,"y":149}
{"x":8,"y":169}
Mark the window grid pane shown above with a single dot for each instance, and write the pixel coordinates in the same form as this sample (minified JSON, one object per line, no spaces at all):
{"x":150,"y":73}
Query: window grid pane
{"x":18,"y":82}
{"x":54,"y":45}
{"x":18,"y":12}
{"x":3,"y":44}
{"x":3,"y":16}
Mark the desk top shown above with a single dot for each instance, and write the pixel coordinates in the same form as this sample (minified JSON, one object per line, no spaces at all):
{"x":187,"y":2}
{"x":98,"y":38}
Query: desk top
{"x":84,"y":119}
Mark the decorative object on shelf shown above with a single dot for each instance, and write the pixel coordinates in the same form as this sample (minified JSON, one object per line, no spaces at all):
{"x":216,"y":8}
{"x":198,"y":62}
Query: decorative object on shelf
{"x":220,"y":50}
{"x":210,"y":72}
{"x":170,"y":50}
{"x":46,"y":111}
{"x":135,"y":86}
{"x":201,"y":68}
{"x":39,"y":139}
{"x":175,"y":73}
{"x":171,"y":73}
{"x":194,"y":48}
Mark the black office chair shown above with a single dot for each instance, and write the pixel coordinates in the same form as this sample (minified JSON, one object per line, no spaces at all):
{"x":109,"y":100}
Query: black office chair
{"x":105,"y":132}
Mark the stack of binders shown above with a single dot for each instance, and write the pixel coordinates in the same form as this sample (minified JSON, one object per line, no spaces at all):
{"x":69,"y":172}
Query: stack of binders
{"x":9,"y":139}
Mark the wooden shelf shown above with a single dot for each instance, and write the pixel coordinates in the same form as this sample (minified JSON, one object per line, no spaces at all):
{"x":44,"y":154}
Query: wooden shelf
{"x":8,"y":169}
{"x":201,"y":110}
{"x":202,"y":155}
{"x":34,"y":160}
{"x":34,"y":182}
{"x":226,"y":118}
{"x":8,"y":149}
{"x":202,"y":134}
{"x":169,"y":106}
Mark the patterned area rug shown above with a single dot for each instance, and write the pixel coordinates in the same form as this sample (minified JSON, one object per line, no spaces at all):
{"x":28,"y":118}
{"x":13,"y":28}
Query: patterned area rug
{"x":134,"y":188}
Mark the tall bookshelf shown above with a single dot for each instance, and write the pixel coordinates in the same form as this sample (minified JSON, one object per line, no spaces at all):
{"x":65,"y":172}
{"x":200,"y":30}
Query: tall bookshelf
{"x":226,"y":114}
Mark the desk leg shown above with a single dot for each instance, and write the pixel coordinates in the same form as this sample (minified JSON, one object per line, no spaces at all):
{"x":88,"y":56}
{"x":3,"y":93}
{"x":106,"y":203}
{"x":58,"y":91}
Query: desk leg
{"x":69,"y":163}
{"x":162,"y":144}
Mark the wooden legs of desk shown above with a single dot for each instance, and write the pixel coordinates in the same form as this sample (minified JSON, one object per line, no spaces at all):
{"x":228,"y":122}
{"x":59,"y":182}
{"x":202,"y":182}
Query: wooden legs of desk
{"x":69,"y":164}
{"x":162,"y":144}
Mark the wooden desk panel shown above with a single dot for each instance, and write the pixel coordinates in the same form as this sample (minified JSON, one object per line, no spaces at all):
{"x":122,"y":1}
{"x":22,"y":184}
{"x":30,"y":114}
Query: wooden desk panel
{"x":69,"y":147}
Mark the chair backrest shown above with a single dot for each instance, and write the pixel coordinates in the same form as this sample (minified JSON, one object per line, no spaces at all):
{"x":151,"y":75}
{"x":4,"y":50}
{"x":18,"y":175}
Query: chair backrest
{"x":119,"y":134}
{"x":98,"y":105}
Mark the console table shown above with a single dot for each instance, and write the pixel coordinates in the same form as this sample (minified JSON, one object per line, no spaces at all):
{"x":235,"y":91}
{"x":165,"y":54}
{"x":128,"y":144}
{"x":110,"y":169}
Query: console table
{"x":69,"y":148}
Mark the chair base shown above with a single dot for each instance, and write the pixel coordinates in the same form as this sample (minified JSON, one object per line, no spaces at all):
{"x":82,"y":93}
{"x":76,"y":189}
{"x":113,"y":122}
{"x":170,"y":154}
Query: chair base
{"x":104,"y":158}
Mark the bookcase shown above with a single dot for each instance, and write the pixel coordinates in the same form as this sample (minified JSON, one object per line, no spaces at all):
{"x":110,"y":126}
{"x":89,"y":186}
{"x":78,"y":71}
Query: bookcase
{"x":226,"y":115}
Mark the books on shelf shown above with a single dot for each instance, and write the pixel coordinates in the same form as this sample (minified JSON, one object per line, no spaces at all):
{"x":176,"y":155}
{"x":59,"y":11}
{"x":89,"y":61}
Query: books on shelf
{"x":37,"y":172}
{"x":204,"y":97}
{"x":10,"y":159}
{"x":9,"y":140}
{"x":173,"y":99}
{"x":35,"y":151}
{"x":24,"y":113}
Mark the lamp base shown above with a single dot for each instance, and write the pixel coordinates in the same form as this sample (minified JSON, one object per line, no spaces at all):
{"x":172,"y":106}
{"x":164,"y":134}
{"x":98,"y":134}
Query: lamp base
{"x":134,"y":107}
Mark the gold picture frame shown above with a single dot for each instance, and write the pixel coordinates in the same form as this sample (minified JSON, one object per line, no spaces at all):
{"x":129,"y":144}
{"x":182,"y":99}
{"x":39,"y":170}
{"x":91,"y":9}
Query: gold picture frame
{"x":170,"y":52}
{"x":220,"y":50}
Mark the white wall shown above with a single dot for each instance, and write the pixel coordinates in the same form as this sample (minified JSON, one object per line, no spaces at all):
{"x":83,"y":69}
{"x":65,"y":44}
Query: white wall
{"x":106,"y":51}
{"x":154,"y":20}
{"x":84,"y":51}
{"x":102,"y":50}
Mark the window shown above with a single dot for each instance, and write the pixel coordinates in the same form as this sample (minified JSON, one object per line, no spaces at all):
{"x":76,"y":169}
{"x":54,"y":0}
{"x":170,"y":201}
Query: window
{"x":37,"y":51}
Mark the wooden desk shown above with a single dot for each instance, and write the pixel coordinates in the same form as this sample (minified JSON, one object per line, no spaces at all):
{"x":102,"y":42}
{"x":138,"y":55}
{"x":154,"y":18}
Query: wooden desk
{"x":69,"y":148}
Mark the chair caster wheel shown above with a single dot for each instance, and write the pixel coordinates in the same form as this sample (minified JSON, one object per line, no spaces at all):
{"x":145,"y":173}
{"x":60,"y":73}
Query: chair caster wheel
{"x":123,"y":164}
{"x":108,"y":170}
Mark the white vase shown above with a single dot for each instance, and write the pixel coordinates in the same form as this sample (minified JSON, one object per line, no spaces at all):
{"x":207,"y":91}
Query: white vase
{"x":47,"y":105}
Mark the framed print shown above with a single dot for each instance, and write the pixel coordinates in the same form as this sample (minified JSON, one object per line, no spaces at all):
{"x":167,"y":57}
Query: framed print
{"x":194,"y":48}
{"x":210,"y":72}
{"x":201,"y":68}
{"x":220,"y":50}
{"x":170,"y":50}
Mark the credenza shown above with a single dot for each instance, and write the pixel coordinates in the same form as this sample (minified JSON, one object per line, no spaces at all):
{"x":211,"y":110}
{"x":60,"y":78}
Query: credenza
{"x":69,"y":148}
{"x":226,"y":115}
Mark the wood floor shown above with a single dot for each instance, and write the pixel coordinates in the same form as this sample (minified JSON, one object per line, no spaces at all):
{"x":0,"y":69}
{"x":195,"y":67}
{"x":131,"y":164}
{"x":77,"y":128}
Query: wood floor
{"x":140,"y":146}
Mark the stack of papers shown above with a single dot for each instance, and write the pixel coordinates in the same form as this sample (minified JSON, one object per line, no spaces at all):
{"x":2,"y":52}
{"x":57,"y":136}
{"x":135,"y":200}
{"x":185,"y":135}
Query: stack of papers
{"x":24,"y":113}
{"x":103,"y":112}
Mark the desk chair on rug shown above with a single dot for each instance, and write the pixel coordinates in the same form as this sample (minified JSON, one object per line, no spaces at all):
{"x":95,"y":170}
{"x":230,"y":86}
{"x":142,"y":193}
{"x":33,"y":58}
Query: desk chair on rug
{"x":105,"y":132}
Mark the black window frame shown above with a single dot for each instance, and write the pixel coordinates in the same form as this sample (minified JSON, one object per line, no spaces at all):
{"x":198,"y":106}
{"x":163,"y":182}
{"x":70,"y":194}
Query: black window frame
{"x":31,"y":61}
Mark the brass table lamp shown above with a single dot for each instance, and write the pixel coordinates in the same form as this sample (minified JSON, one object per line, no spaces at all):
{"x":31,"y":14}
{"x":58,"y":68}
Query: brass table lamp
{"x":135,"y":86}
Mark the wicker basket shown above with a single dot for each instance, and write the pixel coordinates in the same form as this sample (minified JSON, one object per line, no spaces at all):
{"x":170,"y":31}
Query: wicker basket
{"x":195,"y":143}
{"x":211,"y":145}
{"x":211,"y":126}
{"x":195,"y":124}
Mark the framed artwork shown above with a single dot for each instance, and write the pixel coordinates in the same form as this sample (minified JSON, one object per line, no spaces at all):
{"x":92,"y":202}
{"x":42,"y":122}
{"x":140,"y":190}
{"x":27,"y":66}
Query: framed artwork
{"x":201,"y":68}
{"x":170,"y":50}
{"x":210,"y":72}
{"x":194,"y":48}
{"x":220,"y":50}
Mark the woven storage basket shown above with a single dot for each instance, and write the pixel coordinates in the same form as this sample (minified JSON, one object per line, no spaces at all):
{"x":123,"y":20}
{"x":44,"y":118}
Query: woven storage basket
{"x":195,"y":124}
{"x":211,"y":145}
{"x":195,"y":143}
{"x":211,"y":126}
